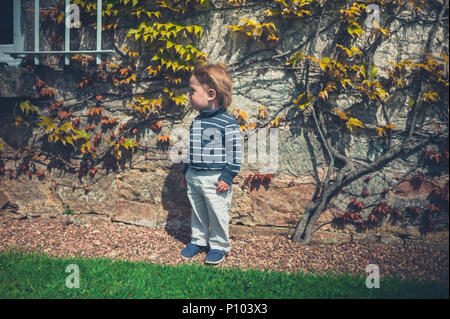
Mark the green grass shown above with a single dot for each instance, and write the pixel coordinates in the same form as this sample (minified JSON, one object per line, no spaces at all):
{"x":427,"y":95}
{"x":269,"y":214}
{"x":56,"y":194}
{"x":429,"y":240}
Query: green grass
{"x":40,"y":276}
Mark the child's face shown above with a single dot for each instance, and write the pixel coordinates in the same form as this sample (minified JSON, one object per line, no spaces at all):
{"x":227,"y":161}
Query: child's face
{"x":200,"y":95}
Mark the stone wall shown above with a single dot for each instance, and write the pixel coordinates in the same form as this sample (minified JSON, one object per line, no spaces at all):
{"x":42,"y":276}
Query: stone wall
{"x":148,"y":191}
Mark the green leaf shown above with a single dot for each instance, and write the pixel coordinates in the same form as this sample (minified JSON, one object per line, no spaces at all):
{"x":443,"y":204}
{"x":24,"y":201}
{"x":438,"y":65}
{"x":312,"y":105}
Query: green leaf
{"x":373,"y":71}
{"x":66,"y":127}
{"x":81,"y":134}
{"x":353,"y":29}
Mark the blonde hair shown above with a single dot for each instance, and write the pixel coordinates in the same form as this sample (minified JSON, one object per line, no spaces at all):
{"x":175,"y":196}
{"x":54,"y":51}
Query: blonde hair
{"x":216,"y":77}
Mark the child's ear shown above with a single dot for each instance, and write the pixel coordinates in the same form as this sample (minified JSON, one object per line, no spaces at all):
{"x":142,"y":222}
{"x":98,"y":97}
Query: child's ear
{"x":211,"y":94}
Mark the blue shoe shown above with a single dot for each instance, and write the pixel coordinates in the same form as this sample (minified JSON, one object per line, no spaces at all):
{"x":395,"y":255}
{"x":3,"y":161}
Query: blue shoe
{"x":191,"y":250}
{"x":215,"y":256}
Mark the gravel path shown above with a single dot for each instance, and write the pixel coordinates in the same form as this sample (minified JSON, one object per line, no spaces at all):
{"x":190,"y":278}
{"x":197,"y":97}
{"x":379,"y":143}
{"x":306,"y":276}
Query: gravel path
{"x":276,"y":252}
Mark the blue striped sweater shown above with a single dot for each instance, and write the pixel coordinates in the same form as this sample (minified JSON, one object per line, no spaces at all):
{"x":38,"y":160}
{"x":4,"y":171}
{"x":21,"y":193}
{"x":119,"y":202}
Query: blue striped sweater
{"x":215,"y":144}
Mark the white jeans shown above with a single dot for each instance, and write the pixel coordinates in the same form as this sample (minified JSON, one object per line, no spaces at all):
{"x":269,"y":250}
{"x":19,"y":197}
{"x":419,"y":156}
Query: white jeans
{"x":210,"y":218}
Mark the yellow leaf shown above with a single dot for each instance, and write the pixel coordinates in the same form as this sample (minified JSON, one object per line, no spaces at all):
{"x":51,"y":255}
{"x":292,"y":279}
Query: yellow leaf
{"x":153,"y":70}
{"x":85,"y":147}
{"x":381,"y":131}
{"x":66,"y":127}
{"x":345,"y":82}
{"x":431,"y":96}
{"x":69,"y":140}
{"x":342,"y":115}
{"x":47,"y":122}
{"x":324,"y":62}
{"x":400,"y":83}
{"x":169,"y":44}
{"x":26,"y":107}
{"x":60,"y":18}
{"x":330,"y":87}
{"x":354,"y":123}
{"x":198,"y":29}
{"x":355,"y":51}
{"x":385,"y":32}
{"x":376,"y":24}
{"x":391,"y":126}
{"x":243,"y":115}
{"x":113,"y":65}
{"x":323,"y":94}
{"x":299,"y":98}
{"x":262,"y":111}
{"x":18,"y":121}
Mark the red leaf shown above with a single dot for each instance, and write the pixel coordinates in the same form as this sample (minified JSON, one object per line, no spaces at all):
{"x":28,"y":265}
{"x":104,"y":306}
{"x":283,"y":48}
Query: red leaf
{"x":373,"y":218}
{"x":40,"y":84}
{"x":437,"y":158}
{"x":156,"y":126}
{"x":433,"y":208}
{"x":95,"y":111}
{"x":267,"y":178}
{"x":93,"y":170}
{"x":397,"y":212}
{"x":63,"y":114}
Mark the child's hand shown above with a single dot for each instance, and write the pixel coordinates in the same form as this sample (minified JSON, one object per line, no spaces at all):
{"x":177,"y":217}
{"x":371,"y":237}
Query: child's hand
{"x":183,"y":181}
{"x":222,"y":186}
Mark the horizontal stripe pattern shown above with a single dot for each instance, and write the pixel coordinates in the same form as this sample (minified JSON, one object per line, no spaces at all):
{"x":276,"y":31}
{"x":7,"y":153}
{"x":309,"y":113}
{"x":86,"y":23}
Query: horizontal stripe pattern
{"x":215,"y":144}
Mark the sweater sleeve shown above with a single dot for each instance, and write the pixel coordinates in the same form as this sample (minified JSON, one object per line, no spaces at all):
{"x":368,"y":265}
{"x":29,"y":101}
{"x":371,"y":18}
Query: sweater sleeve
{"x":233,"y":151}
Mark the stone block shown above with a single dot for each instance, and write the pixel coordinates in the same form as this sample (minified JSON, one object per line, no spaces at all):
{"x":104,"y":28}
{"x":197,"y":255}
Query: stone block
{"x":136,"y":213}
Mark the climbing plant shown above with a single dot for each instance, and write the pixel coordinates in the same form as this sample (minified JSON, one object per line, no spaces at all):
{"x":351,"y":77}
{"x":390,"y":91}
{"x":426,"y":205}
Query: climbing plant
{"x":81,"y":143}
{"x":347,"y":70}
{"x":157,"y":46}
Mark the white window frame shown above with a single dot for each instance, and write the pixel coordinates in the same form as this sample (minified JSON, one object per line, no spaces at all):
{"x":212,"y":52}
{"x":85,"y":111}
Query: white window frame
{"x":17,"y":49}
{"x":18,"y":44}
